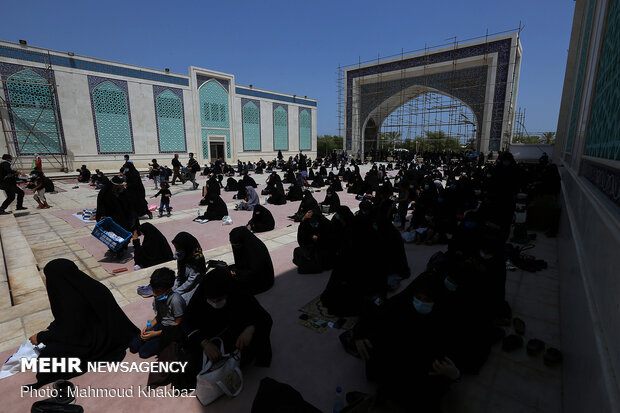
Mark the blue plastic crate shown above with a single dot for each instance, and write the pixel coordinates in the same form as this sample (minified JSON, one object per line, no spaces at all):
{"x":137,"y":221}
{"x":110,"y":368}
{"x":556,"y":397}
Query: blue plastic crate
{"x":108,"y":225}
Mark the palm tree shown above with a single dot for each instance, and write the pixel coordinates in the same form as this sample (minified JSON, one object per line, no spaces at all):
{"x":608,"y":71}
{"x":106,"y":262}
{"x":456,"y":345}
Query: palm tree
{"x":548,"y":137}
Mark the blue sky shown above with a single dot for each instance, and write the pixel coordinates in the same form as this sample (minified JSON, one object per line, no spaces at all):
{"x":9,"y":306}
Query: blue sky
{"x":295,"y":47}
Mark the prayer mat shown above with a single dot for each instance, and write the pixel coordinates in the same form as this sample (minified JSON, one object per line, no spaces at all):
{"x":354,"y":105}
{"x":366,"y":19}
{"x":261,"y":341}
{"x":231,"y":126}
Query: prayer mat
{"x":318,"y":317}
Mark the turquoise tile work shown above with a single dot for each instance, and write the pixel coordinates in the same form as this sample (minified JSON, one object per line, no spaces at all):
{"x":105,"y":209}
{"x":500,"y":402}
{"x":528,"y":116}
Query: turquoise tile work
{"x":34,"y":109}
{"x":112,"y":119}
{"x":214,"y":112}
{"x":280,"y":129}
{"x":170,"y":122}
{"x":211,"y":132}
{"x":251,"y":126}
{"x":305,"y":130}
{"x":604,"y":128}
{"x":585,"y":41}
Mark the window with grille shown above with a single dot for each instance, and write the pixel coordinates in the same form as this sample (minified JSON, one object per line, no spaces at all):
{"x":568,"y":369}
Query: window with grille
{"x":280,"y":129}
{"x":251,"y":127}
{"x":112,"y":119}
{"x":35,"y":120}
{"x":305,"y":130}
{"x":170,"y":122}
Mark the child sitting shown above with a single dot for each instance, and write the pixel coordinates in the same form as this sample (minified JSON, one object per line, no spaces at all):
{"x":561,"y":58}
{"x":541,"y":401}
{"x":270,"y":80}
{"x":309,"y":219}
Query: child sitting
{"x":169,"y":308}
{"x":165,"y":198}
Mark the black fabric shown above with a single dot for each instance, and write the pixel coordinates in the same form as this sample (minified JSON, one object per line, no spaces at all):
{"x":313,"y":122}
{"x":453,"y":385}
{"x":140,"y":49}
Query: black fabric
{"x":136,"y":194}
{"x":332,"y":200}
{"x":119,"y":208}
{"x":194,"y":258}
{"x":155,"y":248}
{"x":231,"y":185}
{"x":316,"y":250}
{"x":276,"y":397}
{"x":295,"y":193}
{"x":88,"y":323}
{"x":216,"y":208}
{"x":262,"y":220}
{"x":253,"y":266}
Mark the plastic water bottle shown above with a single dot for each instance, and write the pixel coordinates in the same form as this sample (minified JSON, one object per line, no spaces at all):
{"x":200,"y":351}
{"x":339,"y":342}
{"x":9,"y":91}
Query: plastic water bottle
{"x":148,"y":323}
{"x":338,"y":400}
{"x":198,"y":213}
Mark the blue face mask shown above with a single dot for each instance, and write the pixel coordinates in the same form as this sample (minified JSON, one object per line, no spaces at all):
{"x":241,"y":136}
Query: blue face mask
{"x":449,"y":285}
{"x":470,"y":224}
{"x":426,"y":187}
{"x":452,"y":186}
{"x":422,"y":307}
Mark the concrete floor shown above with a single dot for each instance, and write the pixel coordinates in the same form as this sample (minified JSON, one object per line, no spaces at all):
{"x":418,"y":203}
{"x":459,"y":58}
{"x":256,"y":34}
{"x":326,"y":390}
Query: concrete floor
{"x":312,"y":363}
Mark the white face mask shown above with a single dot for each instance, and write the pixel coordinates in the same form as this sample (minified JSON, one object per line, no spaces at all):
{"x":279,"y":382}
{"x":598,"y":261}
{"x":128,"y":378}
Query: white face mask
{"x":219,"y":305}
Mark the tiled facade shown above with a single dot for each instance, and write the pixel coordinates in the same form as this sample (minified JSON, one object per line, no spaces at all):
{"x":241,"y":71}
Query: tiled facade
{"x":112,"y":109}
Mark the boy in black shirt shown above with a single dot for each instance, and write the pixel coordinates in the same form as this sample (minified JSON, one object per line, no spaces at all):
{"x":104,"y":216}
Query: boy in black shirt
{"x":165,"y":198}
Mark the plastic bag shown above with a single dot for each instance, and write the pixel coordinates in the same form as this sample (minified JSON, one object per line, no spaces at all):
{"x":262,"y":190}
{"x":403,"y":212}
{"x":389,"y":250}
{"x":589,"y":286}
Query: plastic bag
{"x":227,"y":220}
{"x":28,"y":351}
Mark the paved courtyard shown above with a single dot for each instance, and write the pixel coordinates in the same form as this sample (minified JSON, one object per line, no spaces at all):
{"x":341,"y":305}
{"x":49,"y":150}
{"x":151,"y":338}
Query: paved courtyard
{"x":314,"y":363}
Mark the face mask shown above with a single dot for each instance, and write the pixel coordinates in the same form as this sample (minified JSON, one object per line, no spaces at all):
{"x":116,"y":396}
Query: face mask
{"x":427,"y":217}
{"x":33,"y":176}
{"x":426,"y":186}
{"x":422,"y":307}
{"x":375,"y":227}
{"x":506,"y":163}
{"x":191,"y":157}
{"x":489,"y":176}
{"x":440,"y":200}
{"x":219,"y":305}
{"x":452,"y":186}
{"x":126,"y":170}
{"x":450,"y":286}
{"x":336,"y":216}
{"x":179,"y":255}
{"x":470,"y":224}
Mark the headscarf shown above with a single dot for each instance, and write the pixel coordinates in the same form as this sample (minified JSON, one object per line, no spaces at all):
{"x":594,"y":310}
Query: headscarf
{"x":193,"y":254}
{"x":254,"y":268}
{"x":88,"y":322}
{"x":252,"y":196}
{"x":262,"y":220}
{"x":155,"y":248}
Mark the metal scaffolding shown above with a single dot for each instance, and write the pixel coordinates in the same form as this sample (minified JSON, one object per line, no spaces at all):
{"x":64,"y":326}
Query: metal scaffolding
{"x":23,"y":135}
{"x":429,"y":113}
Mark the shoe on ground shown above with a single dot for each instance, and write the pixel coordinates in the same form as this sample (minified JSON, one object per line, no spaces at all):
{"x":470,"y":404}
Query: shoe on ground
{"x":3,"y":212}
{"x":145,"y":291}
{"x":20,"y":208}
{"x":168,"y":214}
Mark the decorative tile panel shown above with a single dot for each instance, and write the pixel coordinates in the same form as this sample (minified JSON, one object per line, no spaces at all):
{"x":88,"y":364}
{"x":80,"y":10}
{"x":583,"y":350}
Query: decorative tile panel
{"x":604,"y":127}
{"x":274,"y":96}
{"x":214,"y":112}
{"x":280,"y":127}
{"x":250,"y":114}
{"x":110,"y":107}
{"x":170,"y":119}
{"x":604,"y":178}
{"x":305,"y":130}
{"x":501,"y":47}
{"x":34,"y":116}
{"x":200,"y":80}
{"x":33,"y":56}
{"x":585,"y":41}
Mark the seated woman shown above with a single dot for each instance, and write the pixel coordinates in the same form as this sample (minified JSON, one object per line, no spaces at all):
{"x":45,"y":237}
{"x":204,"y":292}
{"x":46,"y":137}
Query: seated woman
{"x":154,"y":249}
{"x":88,"y":323}
{"x":424,"y":371}
{"x":191,"y":265}
{"x":316,"y":251}
{"x":295,"y":193}
{"x":216,"y":208}
{"x":262,"y":220}
{"x":212,"y":188}
{"x":219,"y":310}
{"x":247,"y":180}
{"x":334,"y":182}
{"x":318,"y":182}
{"x":250,"y":201}
{"x":231,"y":185}
{"x":307,"y":203}
{"x":277,"y":195}
{"x":331,"y":202}
{"x":253,"y":269}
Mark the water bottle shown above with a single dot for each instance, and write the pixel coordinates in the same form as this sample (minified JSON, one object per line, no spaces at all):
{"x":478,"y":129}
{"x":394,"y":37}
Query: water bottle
{"x":338,"y":400}
{"x":198,"y":213}
{"x":148,"y":324}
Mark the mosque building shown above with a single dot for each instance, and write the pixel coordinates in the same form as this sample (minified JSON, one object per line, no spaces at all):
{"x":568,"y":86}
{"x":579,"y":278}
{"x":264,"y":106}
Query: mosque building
{"x":75,"y":110}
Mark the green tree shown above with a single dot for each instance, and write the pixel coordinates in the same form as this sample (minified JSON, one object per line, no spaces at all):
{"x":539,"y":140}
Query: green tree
{"x":548,"y":138}
{"x":327,"y":143}
{"x":522,"y":138}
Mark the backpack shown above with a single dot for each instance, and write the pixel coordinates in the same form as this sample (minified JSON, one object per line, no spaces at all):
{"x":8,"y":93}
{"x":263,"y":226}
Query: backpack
{"x":48,"y":185}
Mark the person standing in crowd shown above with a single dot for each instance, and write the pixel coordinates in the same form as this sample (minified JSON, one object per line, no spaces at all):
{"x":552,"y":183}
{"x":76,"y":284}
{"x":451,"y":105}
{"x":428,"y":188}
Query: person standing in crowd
{"x":165,"y":199}
{"x":155,"y":173}
{"x":193,"y":167}
{"x":127,"y":159}
{"x":8,"y":183}
{"x":37,"y":163}
{"x":176,"y":169}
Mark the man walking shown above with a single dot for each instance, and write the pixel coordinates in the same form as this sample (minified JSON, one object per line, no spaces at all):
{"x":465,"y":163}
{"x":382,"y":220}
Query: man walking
{"x":193,"y":167}
{"x":176,"y":169}
{"x":8,"y":182}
